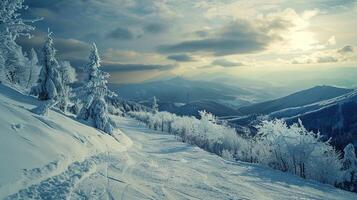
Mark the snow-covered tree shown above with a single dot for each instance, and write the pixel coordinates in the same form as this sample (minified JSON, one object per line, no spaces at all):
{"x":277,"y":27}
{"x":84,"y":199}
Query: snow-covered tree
{"x":349,"y":167}
{"x":68,"y":75}
{"x":33,"y":69}
{"x":50,"y":87}
{"x":291,"y":149}
{"x":93,"y":93}
{"x":294,"y":149}
{"x":11,"y":27}
{"x":15,"y":65}
{"x":155,"y":107}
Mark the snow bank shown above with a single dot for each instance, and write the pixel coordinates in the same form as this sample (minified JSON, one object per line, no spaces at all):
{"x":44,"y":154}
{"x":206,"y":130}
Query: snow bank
{"x":35,"y":147}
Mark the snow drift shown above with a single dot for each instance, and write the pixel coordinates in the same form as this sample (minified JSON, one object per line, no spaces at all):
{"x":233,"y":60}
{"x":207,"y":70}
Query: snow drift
{"x":43,"y":146}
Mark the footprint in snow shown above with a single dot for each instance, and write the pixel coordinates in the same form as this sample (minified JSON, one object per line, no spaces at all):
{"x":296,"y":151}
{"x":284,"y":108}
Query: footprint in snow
{"x":17,"y":126}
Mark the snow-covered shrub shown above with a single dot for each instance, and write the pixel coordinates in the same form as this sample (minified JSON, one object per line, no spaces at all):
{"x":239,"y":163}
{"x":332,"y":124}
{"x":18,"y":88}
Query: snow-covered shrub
{"x":227,"y":155}
{"x":98,"y":111}
{"x":68,"y":75}
{"x":205,"y":133}
{"x":325,"y":164}
{"x":294,"y":149}
{"x":290,"y":149}
{"x":114,"y":110}
{"x":93,"y":93}
{"x":349,"y":168}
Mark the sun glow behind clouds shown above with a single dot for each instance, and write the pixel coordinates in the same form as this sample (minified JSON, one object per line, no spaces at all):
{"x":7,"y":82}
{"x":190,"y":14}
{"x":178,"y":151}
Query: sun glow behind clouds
{"x":148,"y":39}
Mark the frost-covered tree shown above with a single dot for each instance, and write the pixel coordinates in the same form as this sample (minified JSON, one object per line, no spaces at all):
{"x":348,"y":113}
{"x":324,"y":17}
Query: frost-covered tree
{"x":15,"y":65}
{"x":67,"y":76}
{"x":11,"y":27}
{"x":93,"y":93}
{"x":154,"y":106}
{"x":349,"y":167}
{"x":33,"y":69}
{"x":294,"y":149}
{"x":50,"y":87}
{"x":291,"y":149}
{"x":49,"y":83}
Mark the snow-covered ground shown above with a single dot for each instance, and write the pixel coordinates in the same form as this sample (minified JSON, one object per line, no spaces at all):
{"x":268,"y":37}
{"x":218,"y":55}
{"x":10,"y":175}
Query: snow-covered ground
{"x":34,"y":148}
{"x":56,"y":157}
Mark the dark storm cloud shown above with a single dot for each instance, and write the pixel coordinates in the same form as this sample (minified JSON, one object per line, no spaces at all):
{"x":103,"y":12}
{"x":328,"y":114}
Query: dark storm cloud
{"x":117,"y":67}
{"x":121,"y":34}
{"x":226,"y":63}
{"x":180,"y":58}
{"x":236,"y":38}
{"x":155,"y":28}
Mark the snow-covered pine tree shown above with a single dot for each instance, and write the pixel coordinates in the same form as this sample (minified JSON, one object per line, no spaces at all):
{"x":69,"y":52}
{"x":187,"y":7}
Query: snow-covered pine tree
{"x":33,"y":69}
{"x":68,"y":75}
{"x":49,"y":86}
{"x":349,"y":167}
{"x":15,"y":65}
{"x":155,"y":106}
{"x":11,"y":27}
{"x":94,"y":106}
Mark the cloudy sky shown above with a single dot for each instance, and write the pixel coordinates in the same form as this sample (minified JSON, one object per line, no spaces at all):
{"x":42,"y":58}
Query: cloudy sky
{"x":142,"y":39}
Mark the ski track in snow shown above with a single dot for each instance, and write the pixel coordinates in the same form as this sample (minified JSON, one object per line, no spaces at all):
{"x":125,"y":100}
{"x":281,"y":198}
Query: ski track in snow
{"x":157,"y":166}
{"x":59,"y":186}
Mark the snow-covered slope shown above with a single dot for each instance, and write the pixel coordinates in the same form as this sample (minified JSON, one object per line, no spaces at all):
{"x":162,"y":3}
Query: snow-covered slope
{"x":56,"y":157}
{"x":34,"y":147}
{"x":301,"y":98}
{"x":193,"y":108}
{"x":336,"y":118}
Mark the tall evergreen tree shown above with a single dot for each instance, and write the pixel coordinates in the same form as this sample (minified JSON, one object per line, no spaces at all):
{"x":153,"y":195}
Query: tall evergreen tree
{"x":49,"y":84}
{"x":93,"y":95}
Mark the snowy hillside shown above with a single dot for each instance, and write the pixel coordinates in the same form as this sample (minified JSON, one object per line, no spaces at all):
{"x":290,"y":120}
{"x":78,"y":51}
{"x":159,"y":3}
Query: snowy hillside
{"x":193,"y":108}
{"x":56,"y":157}
{"x":334,"y":118}
{"x":34,"y":148}
{"x":331,"y":111}
{"x":301,"y":98}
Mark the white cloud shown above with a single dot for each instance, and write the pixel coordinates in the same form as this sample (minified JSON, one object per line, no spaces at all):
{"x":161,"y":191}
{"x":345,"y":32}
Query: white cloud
{"x":331,"y":41}
{"x":328,"y":56}
{"x":308,"y":14}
